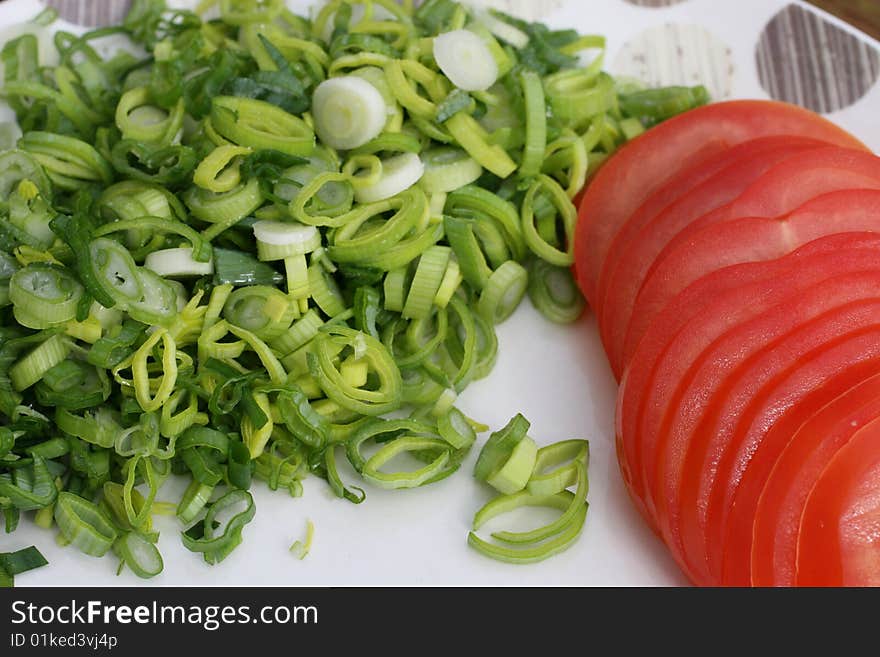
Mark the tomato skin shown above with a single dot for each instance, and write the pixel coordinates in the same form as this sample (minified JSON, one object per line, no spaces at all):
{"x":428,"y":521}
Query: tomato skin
{"x":642,"y":238}
{"x":808,"y":452}
{"x":706,"y":310}
{"x":645,"y":164}
{"x":770,"y":398}
{"x":699,"y":249}
{"x":668,"y":429}
{"x":732,"y":263}
{"x":837,"y":543}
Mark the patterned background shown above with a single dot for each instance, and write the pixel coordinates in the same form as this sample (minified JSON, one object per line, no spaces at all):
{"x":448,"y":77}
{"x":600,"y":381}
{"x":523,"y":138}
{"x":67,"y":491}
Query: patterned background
{"x":800,"y":57}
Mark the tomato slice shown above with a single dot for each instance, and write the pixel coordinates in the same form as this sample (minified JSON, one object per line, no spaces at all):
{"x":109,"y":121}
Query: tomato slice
{"x":750,"y":421}
{"x":642,"y":238}
{"x":704,"y":245}
{"x":734,"y":501}
{"x":667,"y":430}
{"x":706,"y":311}
{"x":683,"y":184}
{"x":650,"y":161}
{"x":837,"y":544}
{"x":807,"y":454}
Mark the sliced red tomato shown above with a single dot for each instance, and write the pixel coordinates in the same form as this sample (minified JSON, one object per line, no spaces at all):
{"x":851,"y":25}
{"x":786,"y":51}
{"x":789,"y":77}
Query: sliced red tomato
{"x":683,"y":184}
{"x":743,"y":474}
{"x":705,"y":388}
{"x":714,"y":295}
{"x":650,"y":161}
{"x":808,"y":452}
{"x":705,"y":244}
{"x":643,"y":237}
{"x":757,"y":411}
{"x":838,"y":540}
{"x":703,"y":313}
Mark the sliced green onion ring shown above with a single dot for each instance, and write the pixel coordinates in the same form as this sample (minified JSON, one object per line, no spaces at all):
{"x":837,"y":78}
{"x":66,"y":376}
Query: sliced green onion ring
{"x":383,"y":398}
{"x":466,"y":60}
{"x":562,"y":457}
{"x":47,"y":293}
{"x":499,"y":447}
{"x":567,"y":213}
{"x":139,"y":554}
{"x":531,"y":553}
{"x":349,"y":112}
{"x":412,"y":479}
{"x":260,"y":125}
{"x":178,"y":262}
{"x":448,"y":169}
{"x":398,"y":174}
{"x":84,"y":525}
{"x":503,"y":292}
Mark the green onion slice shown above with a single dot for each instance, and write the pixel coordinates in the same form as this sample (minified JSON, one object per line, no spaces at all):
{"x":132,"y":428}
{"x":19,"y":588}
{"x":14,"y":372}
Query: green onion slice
{"x":531,"y":553}
{"x":84,"y":525}
{"x":139,"y":554}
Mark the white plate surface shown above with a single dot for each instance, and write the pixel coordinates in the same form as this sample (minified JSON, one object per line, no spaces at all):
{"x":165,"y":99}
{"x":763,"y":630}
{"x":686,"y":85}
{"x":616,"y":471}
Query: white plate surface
{"x":557,"y":377}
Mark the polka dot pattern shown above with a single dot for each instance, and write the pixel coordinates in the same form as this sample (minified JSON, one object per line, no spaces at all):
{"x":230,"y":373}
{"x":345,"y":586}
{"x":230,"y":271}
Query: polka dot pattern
{"x":91,"y":13}
{"x":678,"y":55}
{"x":802,"y":58}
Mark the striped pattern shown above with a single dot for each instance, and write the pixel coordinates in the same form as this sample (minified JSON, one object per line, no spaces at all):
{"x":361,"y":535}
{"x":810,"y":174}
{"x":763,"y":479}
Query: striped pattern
{"x":801,"y":58}
{"x":804,"y":59}
{"x":91,"y":13}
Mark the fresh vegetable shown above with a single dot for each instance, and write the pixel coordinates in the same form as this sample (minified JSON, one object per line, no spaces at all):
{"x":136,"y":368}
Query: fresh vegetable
{"x":836,"y":542}
{"x":738,"y":304}
{"x":466,"y":60}
{"x":526,"y":476}
{"x":640,"y":173}
{"x":827,"y":373}
{"x":643,"y":238}
{"x":709,"y":308}
{"x":302,"y":548}
{"x":16,"y":563}
{"x":229,"y":259}
{"x":349,"y":112}
{"x":810,"y":448}
{"x":767,"y":220}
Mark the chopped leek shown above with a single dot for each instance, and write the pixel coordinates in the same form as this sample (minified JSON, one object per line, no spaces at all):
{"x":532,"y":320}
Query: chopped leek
{"x":348,"y":112}
{"x":228,"y":259}
{"x":466,"y":60}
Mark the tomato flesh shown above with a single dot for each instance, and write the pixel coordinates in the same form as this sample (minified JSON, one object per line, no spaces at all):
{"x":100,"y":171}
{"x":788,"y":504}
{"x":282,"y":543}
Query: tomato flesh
{"x":667,"y":428}
{"x":837,"y":543}
{"x":807,"y":454}
{"x":645,"y":164}
{"x":702,"y":314}
{"x":683,"y":184}
{"x":713,"y":241}
{"x":731,"y":258}
{"x":639,"y":246}
{"x":763,"y":404}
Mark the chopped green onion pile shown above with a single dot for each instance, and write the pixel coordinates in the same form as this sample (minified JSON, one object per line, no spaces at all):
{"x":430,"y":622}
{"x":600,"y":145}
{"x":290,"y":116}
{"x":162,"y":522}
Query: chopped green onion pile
{"x":231,"y":256}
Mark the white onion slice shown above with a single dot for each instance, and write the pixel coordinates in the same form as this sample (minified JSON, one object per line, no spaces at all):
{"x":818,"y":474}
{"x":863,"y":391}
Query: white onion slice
{"x":177,"y":262}
{"x":466,"y":60}
{"x":348,"y":111}
{"x":399,"y":173}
